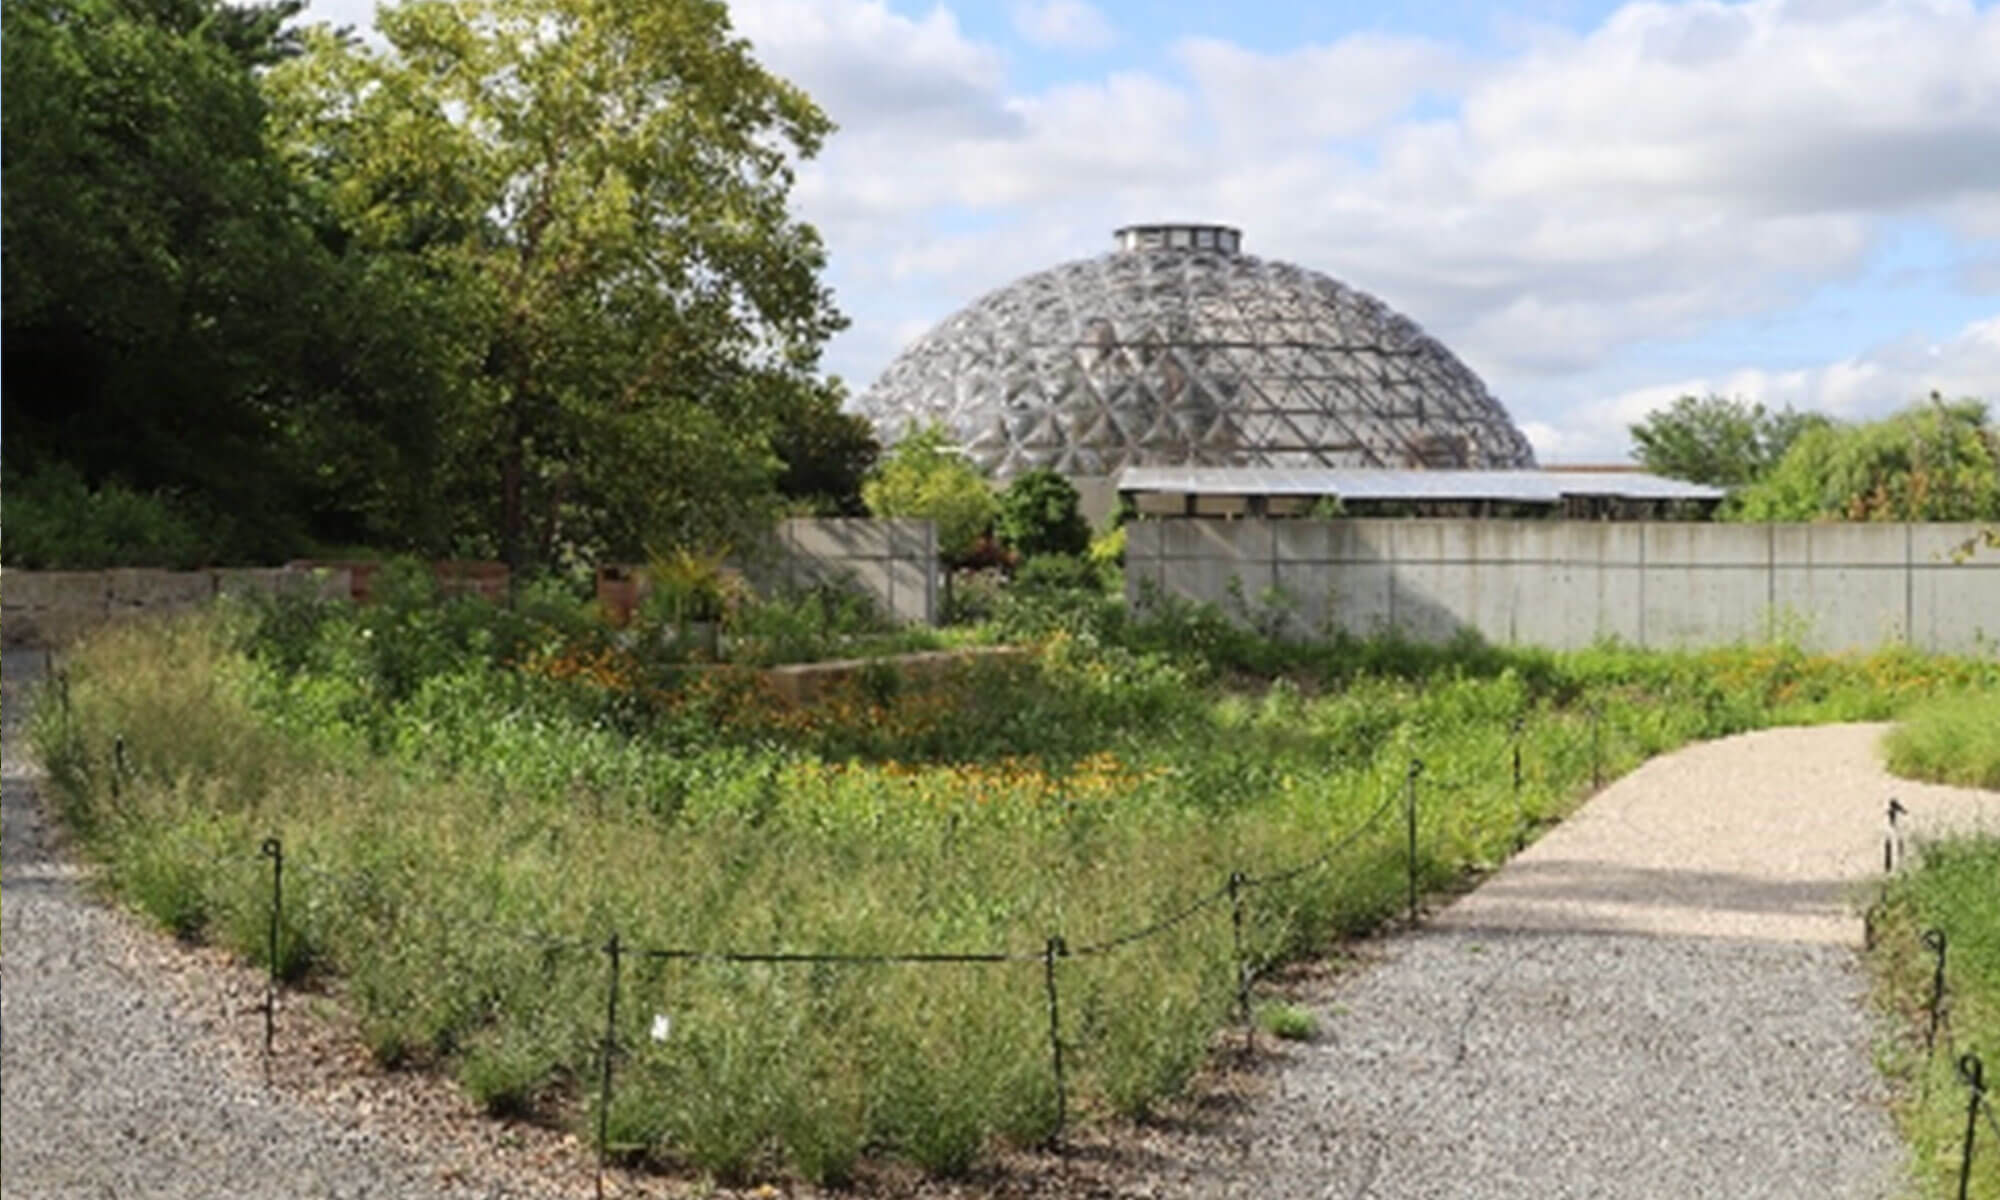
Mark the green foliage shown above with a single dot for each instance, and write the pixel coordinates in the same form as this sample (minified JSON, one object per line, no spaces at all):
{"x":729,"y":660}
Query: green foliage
{"x":56,"y":522}
{"x":925,"y":476}
{"x":1954,"y":739}
{"x":602,"y":217}
{"x":1718,"y":440}
{"x":153,"y":267}
{"x":826,"y":453}
{"x":464,"y":791}
{"x":1951,"y":890}
{"x":1038,"y":516}
{"x":1287,"y":1021}
{"x":1935,"y":461}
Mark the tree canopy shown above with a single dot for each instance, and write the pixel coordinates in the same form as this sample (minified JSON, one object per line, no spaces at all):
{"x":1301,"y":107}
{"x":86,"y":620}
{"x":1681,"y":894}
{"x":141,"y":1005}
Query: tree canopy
{"x":925,"y":476}
{"x":523,"y":281}
{"x":598,"y":188}
{"x":1934,"y":461}
{"x":156,"y":279}
{"x":1717,"y":439}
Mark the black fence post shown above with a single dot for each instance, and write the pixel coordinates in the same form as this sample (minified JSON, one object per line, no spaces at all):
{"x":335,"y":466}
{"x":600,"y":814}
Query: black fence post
{"x":611,"y":952}
{"x":1973,"y":1073}
{"x":274,"y":850}
{"x":1597,"y":747}
{"x":1052,"y":950}
{"x":1520,"y":813}
{"x":1891,"y":836}
{"x":118,"y":766}
{"x":1935,"y":939}
{"x":1236,"y":882}
{"x":1410,"y":820}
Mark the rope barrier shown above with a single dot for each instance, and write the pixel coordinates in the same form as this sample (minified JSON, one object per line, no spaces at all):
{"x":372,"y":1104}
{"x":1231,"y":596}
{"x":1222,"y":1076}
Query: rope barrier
{"x":1327,"y":855}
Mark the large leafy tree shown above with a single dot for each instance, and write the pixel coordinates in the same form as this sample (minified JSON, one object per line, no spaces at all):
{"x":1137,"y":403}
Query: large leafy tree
{"x":1717,"y":440}
{"x":180,"y":317}
{"x":595,"y":192}
{"x":1935,"y":461}
{"x":153,"y":265}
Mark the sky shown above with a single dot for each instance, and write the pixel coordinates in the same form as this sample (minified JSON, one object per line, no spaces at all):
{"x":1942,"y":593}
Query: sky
{"x":1598,"y":207}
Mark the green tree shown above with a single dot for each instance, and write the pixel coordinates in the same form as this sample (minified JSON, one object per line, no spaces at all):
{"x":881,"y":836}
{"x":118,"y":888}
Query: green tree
{"x":1935,"y":461}
{"x":595,"y":193}
{"x":1038,"y":515}
{"x":827,"y":453}
{"x":157,"y":282}
{"x":1717,"y":440}
{"x":926,"y":476}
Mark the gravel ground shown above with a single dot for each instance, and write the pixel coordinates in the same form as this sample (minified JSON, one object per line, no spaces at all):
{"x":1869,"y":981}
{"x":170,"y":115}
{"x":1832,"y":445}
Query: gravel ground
{"x":129,"y":1066}
{"x":1659,"y":998}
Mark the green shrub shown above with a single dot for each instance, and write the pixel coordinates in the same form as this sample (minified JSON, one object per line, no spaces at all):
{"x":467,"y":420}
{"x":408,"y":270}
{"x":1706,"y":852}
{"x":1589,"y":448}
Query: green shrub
{"x":1038,"y":516}
{"x":55,"y":521}
{"x":925,"y":476}
{"x":1951,"y":740}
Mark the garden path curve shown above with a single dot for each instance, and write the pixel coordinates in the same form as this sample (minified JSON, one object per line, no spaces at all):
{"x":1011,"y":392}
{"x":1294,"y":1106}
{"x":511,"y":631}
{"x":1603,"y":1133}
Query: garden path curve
{"x":127,"y":1068}
{"x":1660,"y":997}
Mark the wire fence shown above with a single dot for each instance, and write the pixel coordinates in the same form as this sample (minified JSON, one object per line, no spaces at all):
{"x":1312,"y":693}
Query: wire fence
{"x":1966,"y":1066}
{"x":1235,"y":894}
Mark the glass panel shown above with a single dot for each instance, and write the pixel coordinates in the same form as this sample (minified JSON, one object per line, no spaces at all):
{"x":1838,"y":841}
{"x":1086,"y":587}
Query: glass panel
{"x":1147,"y":356}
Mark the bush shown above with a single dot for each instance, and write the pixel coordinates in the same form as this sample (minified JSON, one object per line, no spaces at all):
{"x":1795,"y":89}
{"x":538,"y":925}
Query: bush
{"x":924,"y":476}
{"x":55,"y":521}
{"x":1954,"y":740}
{"x":1038,"y":516}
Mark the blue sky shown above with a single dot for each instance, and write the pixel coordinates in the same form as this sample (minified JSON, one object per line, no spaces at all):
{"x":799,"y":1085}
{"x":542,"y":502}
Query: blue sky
{"x":1597,"y":206}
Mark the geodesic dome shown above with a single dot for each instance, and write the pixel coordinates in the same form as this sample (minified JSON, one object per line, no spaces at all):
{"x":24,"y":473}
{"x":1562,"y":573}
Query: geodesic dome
{"x":1175,"y":349}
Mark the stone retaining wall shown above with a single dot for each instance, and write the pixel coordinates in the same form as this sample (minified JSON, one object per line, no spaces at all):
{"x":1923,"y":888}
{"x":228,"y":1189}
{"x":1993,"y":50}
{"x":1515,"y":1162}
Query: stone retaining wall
{"x":54,"y":608}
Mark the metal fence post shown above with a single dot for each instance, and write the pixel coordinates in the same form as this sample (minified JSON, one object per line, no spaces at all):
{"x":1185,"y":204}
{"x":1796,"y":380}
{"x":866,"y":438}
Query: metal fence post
{"x":1520,"y":812}
{"x":1236,"y":882}
{"x":1973,"y":1073}
{"x":1410,"y":820}
{"x":611,"y":952}
{"x":274,"y":850}
{"x":1052,"y":950}
{"x":1891,"y":836}
{"x":1935,"y":939}
{"x":1597,"y":747}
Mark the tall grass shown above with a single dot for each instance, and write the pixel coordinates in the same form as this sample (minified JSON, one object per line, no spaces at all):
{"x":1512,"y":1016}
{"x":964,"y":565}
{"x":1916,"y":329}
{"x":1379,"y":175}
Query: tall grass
{"x":1954,"y":739}
{"x":1953,"y":889}
{"x":465,"y":825}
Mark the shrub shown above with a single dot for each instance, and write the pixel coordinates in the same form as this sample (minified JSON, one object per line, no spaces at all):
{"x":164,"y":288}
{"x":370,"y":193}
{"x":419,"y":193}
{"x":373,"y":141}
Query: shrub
{"x":1951,"y":740}
{"x":925,"y":476}
{"x":1038,"y":516}
{"x":55,"y":521}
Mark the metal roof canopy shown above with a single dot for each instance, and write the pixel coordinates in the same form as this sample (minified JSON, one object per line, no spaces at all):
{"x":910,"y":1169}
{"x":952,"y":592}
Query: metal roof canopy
{"x":1373,"y":483}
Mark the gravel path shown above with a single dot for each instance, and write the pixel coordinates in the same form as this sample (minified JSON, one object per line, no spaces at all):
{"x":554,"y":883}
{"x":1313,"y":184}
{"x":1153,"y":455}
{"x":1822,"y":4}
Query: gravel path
{"x":1658,"y":998}
{"x":124,"y":1069}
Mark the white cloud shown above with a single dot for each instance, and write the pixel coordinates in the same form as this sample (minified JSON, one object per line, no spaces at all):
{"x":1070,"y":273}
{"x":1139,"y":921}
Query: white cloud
{"x":1063,"y":24}
{"x":1339,"y":89}
{"x":875,"y":70}
{"x":1539,"y":211}
{"x":1861,"y":387}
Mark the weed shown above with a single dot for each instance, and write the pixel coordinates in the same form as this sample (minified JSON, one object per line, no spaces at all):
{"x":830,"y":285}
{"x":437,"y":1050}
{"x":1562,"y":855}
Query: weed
{"x":1287,"y":1021}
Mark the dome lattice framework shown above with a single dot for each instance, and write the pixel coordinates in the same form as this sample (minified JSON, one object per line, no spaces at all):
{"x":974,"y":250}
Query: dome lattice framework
{"x":1176,"y":350}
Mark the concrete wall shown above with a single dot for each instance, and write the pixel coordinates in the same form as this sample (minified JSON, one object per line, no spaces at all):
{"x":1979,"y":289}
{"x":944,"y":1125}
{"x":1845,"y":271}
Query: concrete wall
{"x":891,"y":560}
{"x":1565,"y":584}
{"x":54,"y":608}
